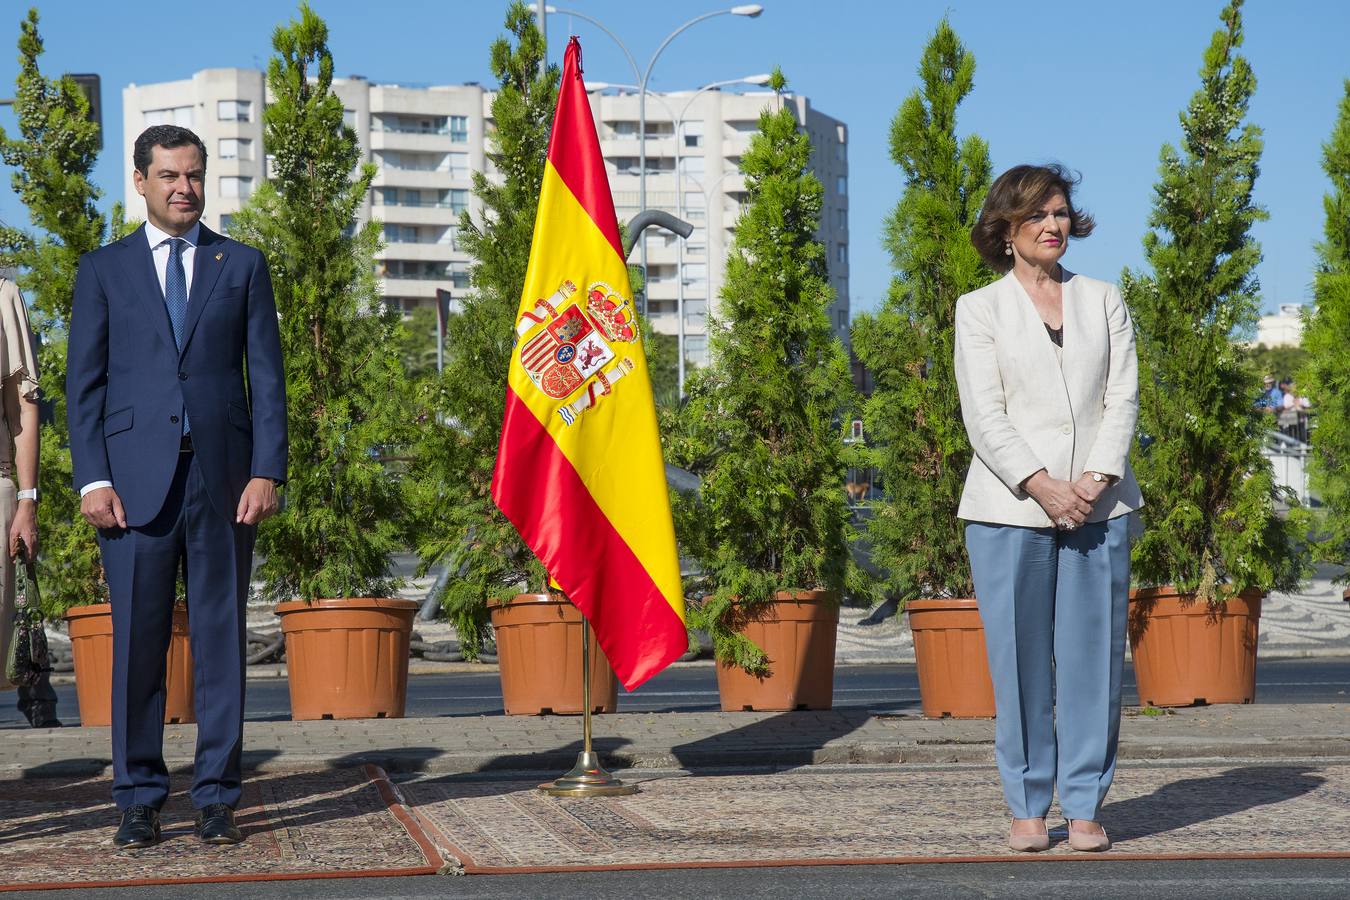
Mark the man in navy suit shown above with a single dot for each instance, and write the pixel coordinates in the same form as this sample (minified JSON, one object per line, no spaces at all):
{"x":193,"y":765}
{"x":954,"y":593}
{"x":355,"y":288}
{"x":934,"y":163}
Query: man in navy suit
{"x":177,"y":409}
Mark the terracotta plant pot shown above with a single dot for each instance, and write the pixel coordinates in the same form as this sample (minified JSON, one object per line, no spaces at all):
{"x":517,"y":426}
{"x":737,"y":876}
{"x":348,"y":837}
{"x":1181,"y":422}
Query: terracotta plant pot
{"x":347,"y":658}
{"x":91,"y":646}
{"x":797,"y":632}
{"x":1187,"y":653}
{"x":539,"y":658}
{"x":953,"y":666}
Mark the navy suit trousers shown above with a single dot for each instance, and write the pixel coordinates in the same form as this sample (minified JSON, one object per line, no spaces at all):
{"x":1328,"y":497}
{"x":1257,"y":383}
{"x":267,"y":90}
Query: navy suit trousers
{"x":142,"y":565}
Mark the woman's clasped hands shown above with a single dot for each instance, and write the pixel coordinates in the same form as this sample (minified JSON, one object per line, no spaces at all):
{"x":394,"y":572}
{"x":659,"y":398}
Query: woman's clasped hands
{"x":1067,"y":503}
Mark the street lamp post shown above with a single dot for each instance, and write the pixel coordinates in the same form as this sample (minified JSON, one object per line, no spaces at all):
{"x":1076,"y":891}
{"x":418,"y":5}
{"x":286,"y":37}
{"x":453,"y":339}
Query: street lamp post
{"x":678,"y":123}
{"x":749,"y":10}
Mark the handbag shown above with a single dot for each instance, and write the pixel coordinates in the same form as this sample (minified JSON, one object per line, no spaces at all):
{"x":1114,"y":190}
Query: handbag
{"x":27,"y":658}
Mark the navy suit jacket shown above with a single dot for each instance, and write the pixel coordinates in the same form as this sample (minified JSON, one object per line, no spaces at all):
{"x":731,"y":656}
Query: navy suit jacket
{"x":127,"y":384}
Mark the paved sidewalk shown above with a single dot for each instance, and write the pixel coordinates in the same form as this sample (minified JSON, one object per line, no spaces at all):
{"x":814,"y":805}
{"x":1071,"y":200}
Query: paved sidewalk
{"x":698,"y":740}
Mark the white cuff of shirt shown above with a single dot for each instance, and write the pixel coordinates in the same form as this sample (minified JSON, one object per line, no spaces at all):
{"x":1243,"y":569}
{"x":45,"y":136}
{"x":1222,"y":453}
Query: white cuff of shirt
{"x":93,"y":486}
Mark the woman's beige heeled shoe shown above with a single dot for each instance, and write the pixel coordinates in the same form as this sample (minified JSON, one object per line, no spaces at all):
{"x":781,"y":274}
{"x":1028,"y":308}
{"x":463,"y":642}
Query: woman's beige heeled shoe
{"x":1087,"y":841}
{"x":1029,"y":843}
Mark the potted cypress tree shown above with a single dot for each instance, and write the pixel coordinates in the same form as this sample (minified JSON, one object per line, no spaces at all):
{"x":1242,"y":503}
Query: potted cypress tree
{"x":1326,"y":338}
{"x":913,"y":418}
{"x":498,"y":580}
{"x":764,"y":429}
{"x":1213,"y":543}
{"x":52,"y":156}
{"x":325,"y":554}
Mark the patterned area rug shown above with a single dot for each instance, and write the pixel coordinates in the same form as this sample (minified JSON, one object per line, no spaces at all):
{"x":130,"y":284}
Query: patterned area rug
{"x":57,"y":833}
{"x":857,"y":815}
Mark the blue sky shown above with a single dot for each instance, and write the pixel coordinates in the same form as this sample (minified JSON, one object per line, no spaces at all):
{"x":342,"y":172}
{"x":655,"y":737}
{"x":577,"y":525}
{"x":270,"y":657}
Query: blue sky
{"x":1096,"y":85}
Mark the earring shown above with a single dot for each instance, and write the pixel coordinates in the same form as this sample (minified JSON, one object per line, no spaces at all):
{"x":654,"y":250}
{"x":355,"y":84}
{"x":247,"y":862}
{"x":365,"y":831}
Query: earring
{"x":1007,"y":248}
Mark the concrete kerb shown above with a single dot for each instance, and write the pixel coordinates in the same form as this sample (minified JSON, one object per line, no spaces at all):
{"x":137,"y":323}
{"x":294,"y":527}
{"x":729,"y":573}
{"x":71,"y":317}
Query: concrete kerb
{"x":693,"y":740}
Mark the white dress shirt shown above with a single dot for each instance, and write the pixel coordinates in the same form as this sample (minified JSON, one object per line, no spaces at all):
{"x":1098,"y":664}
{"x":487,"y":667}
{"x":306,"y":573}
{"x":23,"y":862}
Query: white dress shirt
{"x":159,"y":252}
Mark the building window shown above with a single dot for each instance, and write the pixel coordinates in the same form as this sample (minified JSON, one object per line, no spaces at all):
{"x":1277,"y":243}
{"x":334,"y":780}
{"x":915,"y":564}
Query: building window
{"x":225,"y":222}
{"x":695,"y":206}
{"x":695,"y":314}
{"x":692,"y":133}
{"x":625,"y":129}
{"x":696,"y":349}
{"x":696,"y":277}
{"x":459,"y":275}
{"x":841,"y":219}
{"x":236,"y":186}
{"x":349,"y":118}
{"x":177,"y":115}
{"x":697,"y":243}
{"x":841,"y":253}
{"x":691,"y":165}
{"x":459,"y":129}
{"x":459,"y":166}
{"x":412,"y":124}
{"x":459,"y":200}
{"x":234,"y":110}
{"x":841,"y":185}
{"x":843,"y":318}
{"x":235,"y":148}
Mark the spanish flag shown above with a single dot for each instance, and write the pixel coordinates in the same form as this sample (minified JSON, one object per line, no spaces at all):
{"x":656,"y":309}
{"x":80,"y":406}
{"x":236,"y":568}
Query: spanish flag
{"x":579,"y":469}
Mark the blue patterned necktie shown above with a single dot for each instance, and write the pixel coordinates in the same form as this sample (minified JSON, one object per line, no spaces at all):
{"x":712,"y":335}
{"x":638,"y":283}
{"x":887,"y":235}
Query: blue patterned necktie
{"x":176,"y":297}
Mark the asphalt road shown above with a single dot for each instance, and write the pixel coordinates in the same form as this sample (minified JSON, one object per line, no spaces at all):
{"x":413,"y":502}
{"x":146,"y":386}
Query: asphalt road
{"x":692,"y":687}
{"x":1100,"y":879}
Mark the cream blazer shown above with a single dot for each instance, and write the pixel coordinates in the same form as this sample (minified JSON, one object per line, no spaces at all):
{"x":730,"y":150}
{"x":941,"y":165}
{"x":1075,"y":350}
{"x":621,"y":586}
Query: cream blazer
{"x":1026,"y":408}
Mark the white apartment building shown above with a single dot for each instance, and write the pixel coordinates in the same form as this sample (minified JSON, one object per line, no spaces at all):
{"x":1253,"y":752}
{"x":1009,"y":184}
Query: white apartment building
{"x":427,"y":141}
{"x":1283,"y":329}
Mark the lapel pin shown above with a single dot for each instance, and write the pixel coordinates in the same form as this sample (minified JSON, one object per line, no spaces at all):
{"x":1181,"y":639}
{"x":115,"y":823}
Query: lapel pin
{"x":218,"y":256}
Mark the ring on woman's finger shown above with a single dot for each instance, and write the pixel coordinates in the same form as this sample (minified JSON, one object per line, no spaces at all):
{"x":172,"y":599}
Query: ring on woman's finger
{"x":1065,"y":523}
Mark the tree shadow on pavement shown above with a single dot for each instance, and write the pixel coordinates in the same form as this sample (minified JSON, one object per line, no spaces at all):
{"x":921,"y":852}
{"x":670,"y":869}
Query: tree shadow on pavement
{"x":1191,"y":801}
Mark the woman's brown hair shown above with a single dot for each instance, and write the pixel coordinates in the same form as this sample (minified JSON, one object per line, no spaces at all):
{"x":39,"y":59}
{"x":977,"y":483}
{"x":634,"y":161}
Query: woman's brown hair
{"x":1012,"y":198}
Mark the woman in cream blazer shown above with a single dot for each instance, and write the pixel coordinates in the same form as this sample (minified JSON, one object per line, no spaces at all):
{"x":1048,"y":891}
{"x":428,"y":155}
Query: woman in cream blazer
{"x":1045,"y":365}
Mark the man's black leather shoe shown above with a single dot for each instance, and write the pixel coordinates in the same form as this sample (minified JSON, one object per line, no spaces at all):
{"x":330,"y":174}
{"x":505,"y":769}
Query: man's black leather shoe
{"x":43,"y":715}
{"x":139,"y":828}
{"x":215,"y":825}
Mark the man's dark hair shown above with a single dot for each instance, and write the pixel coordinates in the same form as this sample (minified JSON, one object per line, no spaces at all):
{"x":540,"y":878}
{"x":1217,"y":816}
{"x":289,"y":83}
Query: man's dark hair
{"x":166,"y":136}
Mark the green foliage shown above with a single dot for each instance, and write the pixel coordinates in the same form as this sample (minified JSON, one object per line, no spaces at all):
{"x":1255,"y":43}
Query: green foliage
{"x":343,"y":515}
{"x":1326,"y":337}
{"x":458,"y":525}
{"x":764,"y":424}
{"x":53,"y":154}
{"x":1282,"y":361}
{"x":1211,"y":524}
{"x":913,"y":418}
{"x":663,"y":364}
{"x":416,"y":341}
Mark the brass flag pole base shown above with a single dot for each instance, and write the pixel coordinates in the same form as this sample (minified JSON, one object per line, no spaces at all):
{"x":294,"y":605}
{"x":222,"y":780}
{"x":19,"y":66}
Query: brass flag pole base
{"x":587,"y":778}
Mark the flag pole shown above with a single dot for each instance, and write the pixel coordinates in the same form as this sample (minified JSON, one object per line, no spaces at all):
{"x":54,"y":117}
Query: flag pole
{"x":587,"y":777}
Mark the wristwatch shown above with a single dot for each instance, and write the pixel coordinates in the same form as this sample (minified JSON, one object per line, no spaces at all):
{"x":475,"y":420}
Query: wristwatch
{"x":1098,"y":476}
{"x":29,"y":494}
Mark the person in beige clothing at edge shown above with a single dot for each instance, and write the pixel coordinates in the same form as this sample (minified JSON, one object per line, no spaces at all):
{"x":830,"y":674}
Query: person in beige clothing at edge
{"x":19,"y":457}
{"x":1046,"y":367}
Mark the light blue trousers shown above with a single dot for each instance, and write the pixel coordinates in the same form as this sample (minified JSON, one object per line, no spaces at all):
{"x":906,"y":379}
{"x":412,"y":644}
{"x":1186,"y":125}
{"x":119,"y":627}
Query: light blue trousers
{"x":1053,"y":604}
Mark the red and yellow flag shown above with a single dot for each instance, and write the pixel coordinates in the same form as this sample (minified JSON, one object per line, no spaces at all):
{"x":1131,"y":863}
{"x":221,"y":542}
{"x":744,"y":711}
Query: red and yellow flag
{"x":579,"y":468}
